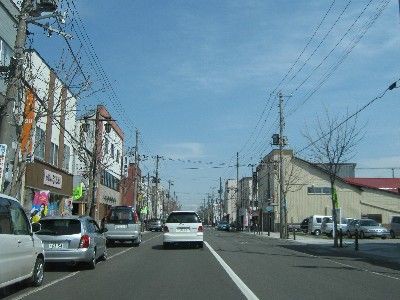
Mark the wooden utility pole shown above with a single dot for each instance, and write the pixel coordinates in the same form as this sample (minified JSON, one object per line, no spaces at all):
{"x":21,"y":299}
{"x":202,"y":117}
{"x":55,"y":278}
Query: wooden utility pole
{"x":156,"y":198}
{"x":237,"y":187}
{"x":282,"y":200}
{"x":136,"y":183}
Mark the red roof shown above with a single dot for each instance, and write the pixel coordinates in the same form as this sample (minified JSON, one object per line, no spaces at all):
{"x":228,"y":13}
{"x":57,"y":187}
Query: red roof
{"x":388,"y":184}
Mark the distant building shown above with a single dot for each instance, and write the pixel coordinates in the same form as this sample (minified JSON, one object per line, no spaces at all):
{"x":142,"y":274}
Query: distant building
{"x":229,"y":205}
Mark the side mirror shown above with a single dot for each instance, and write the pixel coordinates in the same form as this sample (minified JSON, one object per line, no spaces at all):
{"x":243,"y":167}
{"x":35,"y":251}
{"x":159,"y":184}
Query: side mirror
{"x":103,"y":230}
{"x":36,"y":227}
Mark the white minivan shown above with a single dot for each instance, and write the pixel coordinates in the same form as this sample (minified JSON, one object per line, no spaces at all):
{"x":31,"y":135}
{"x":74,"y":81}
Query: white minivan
{"x":21,"y":252}
{"x":314,"y":224}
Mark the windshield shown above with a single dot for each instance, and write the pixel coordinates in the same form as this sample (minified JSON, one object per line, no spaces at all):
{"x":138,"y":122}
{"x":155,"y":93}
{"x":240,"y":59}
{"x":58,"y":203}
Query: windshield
{"x":368,"y":223}
{"x":183,"y":217}
{"x":123,"y":215}
{"x":59,"y":227}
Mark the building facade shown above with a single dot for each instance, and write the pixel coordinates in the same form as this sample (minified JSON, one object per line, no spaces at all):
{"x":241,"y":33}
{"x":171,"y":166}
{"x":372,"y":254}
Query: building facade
{"x":229,"y":205}
{"x":308,"y":192}
{"x":47,"y":137}
{"x":102,"y":140}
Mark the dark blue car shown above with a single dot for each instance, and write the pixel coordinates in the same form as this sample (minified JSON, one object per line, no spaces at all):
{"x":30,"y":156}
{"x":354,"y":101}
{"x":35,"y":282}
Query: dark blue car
{"x":223,"y":225}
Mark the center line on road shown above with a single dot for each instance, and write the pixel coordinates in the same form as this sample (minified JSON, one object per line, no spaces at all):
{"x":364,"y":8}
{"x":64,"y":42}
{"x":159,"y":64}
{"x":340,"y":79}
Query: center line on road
{"x":73,"y":274}
{"x":239,"y":283}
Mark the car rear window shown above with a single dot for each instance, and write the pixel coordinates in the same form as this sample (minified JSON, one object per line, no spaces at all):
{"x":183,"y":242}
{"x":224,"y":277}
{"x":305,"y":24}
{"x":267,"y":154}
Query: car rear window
{"x":123,"y":215}
{"x":183,"y":217}
{"x":59,"y":227}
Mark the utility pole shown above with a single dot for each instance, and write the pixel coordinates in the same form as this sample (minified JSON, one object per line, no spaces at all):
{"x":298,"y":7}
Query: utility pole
{"x":204,"y":211}
{"x":95,"y":155}
{"x":237,"y":186}
{"x":220,"y":199}
{"x":157,"y":162}
{"x":136,"y":185}
{"x":282,"y":201}
{"x":7,"y":122}
{"x":147,"y":195}
{"x":169,"y":191}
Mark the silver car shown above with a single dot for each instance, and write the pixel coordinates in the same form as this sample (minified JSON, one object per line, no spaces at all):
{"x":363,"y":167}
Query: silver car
{"x":21,"y":252}
{"x":367,"y":228}
{"x":72,"y":240}
{"x":122,"y":224}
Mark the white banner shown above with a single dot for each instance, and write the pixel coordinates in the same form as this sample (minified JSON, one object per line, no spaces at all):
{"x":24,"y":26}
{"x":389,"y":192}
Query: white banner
{"x":3,"y":152}
{"x":52,"y":179}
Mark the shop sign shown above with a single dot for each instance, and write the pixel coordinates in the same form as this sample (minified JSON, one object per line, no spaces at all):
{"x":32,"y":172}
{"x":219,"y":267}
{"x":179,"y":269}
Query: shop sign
{"x":52,"y":179}
{"x":110,"y":199}
{"x":3,"y":151}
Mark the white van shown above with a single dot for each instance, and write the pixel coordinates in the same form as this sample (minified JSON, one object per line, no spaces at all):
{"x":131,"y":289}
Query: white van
{"x":314,"y":224}
{"x":22,"y":253}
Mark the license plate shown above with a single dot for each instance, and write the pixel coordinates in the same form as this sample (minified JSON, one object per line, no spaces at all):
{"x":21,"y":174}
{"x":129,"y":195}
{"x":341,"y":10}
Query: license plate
{"x":183,"y":229}
{"x":121,"y":226}
{"x":56,"y":245}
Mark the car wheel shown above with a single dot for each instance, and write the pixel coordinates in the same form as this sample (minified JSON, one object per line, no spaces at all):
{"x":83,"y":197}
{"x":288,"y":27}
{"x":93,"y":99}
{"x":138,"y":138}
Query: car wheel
{"x":105,"y":255}
{"x":38,"y":272}
{"x":166,"y":245}
{"x":92,"y":263}
{"x":392,"y":234}
{"x":383,"y":237}
{"x":110,"y":243}
{"x":317,"y":232}
{"x":362,"y":235}
{"x":201,"y":245}
{"x":137,"y":242}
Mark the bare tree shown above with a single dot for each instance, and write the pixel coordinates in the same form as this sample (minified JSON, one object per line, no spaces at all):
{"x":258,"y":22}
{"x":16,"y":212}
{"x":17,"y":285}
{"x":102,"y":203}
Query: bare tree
{"x":332,"y":143}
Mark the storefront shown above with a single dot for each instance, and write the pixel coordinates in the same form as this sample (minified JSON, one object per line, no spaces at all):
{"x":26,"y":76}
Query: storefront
{"x":51,"y":185}
{"x":106,"y":197}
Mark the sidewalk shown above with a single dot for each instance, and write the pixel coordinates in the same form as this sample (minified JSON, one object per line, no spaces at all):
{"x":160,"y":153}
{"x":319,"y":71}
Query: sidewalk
{"x":374,"y":249}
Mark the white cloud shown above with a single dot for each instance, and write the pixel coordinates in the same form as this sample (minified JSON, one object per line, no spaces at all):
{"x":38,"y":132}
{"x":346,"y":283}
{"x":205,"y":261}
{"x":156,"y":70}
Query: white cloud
{"x":184,"y":150}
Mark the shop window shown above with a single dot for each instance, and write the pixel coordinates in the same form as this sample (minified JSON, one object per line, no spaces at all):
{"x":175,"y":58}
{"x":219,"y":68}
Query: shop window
{"x":67,"y":157}
{"x":54,"y":154}
{"x":40,"y":138}
{"x":319,"y":190}
{"x":5,"y":56}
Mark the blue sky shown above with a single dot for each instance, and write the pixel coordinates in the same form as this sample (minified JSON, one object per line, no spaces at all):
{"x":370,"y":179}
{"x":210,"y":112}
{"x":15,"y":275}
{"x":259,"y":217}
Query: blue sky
{"x":194,"y":76}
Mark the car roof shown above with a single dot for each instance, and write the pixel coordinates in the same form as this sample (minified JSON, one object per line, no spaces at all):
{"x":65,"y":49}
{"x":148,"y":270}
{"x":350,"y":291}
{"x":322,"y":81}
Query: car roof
{"x":8,"y":197}
{"x":73,"y":217}
{"x":183,"y":211}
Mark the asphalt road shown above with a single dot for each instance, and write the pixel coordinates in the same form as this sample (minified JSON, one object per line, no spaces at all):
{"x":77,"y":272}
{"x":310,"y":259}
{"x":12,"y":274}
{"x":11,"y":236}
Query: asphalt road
{"x":245,"y":265}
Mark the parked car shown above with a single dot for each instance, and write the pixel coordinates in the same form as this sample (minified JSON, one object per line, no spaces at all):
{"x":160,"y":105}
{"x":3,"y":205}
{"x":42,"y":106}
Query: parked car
{"x":314,"y":224}
{"x":304,"y":225}
{"x":154,"y":225}
{"x":183,"y":226}
{"x":394,"y":227}
{"x":21,"y":251}
{"x":72,"y":239}
{"x":123,"y":224}
{"x":223,"y":225}
{"x":367,"y":228}
{"x":327,"y":225}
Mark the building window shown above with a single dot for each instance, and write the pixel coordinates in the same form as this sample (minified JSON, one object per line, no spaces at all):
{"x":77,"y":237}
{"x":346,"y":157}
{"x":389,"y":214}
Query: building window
{"x":54,"y":154}
{"x":67,"y":157}
{"x":105,"y":145}
{"x":112,"y":150}
{"x":110,"y":181}
{"x":40,"y":138}
{"x":117,"y":158}
{"x":319,"y":190}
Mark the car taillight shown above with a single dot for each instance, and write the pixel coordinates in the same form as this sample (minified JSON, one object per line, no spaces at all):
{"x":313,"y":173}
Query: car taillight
{"x":85,"y":241}
{"x":200,"y":229}
{"x":166,"y":229}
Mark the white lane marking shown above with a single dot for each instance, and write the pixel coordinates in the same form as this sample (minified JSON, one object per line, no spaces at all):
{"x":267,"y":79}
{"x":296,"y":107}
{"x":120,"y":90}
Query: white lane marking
{"x":72,"y":274}
{"x":46,"y":285}
{"x":239,"y":283}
